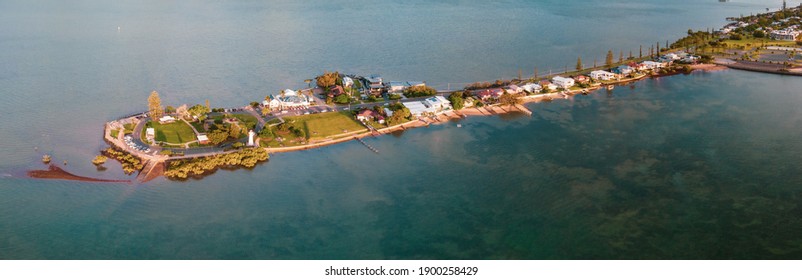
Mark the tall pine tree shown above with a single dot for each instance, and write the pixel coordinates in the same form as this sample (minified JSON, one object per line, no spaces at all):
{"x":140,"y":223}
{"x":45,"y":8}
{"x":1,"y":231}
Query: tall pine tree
{"x":155,"y":106}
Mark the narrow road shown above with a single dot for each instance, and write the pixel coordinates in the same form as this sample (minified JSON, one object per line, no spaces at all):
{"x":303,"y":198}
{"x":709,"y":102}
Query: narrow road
{"x":259,"y":118}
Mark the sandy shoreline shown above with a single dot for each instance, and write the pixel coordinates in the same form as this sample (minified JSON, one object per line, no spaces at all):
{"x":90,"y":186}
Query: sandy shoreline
{"x":475,"y":111}
{"x":708,"y":67}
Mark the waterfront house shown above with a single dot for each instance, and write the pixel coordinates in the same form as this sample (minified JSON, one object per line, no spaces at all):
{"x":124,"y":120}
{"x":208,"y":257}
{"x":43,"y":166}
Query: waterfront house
{"x":496,"y":92}
{"x":482,"y":94}
{"x":602,"y":75}
{"x":437,"y":102}
{"x":690,"y":59}
{"x":289,"y":99}
{"x":669,"y":57}
{"x":581,"y":79}
{"x":417,"y":108}
{"x":547,"y":84}
{"x":348,"y":82}
{"x":651,"y":65}
{"x":563,"y":82}
{"x":514,"y":89}
{"x":396,"y":86}
{"x":531,"y":87}
{"x":375,"y":84}
{"x":491,"y":93}
{"x":637,"y":66}
{"x":431,"y":105}
{"x":623,"y":70}
{"x":370,"y":115}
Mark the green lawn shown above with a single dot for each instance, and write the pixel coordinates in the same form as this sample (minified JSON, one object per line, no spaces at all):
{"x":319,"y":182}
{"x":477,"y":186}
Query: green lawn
{"x":326,"y":124}
{"x":273,"y":121}
{"x":114,"y":133}
{"x":247,"y":119}
{"x":176,"y":133}
{"x":752,"y":42}
{"x":129,"y":128}
{"x":198,"y":126}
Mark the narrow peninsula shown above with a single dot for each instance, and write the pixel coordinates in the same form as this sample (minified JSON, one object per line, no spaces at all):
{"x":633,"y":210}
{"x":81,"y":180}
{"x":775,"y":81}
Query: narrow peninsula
{"x":192,"y":141}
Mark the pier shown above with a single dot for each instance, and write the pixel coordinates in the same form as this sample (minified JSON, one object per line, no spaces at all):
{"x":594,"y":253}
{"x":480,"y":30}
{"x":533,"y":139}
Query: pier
{"x":367,"y":145}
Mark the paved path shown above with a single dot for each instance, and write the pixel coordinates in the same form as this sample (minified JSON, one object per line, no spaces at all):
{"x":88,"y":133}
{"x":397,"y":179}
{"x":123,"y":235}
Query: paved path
{"x":259,"y":118}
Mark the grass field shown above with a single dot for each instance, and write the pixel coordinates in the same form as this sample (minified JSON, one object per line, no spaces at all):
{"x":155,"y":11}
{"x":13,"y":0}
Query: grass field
{"x":752,"y":42}
{"x":128,"y":128}
{"x":247,"y":119}
{"x":176,"y":133}
{"x":273,"y":121}
{"x":198,"y":126}
{"x":326,"y":124}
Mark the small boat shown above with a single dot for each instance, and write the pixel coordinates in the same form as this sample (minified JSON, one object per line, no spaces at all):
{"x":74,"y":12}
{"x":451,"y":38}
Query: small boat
{"x":610,"y":87}
{"x":459,"y":125}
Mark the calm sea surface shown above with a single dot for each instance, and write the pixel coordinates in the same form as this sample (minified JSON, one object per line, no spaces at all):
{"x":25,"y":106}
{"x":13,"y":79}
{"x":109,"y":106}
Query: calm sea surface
{"x":698,"y":166}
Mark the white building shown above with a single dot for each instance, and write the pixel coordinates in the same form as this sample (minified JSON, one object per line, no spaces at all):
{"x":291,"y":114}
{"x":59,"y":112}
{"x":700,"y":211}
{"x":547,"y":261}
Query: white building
{"x":417,"y":108}
{"x":602,"y":75}
{"x":788,"y":34}
{"x":203,"y":139}
{"x":289,"y":99}
{"x":563,"y":82}
{"x":348,"y":82}
{"x":531,"y":88}
{"x":431,"y":105}
{"x":396,"y":86}
{"x":651,"y":65}
{"x":669,"y":57}
{"x":514,"y":89}
{"x":690,"y":59}
{"x":437,"y":102}
{"x":166,"y":119}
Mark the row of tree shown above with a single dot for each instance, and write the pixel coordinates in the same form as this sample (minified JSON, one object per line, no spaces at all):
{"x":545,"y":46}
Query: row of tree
{"x":199,"y":166}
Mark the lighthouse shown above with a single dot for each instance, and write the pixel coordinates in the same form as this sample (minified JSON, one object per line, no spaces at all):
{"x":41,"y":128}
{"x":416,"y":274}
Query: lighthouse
{"x":250,"y":137}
